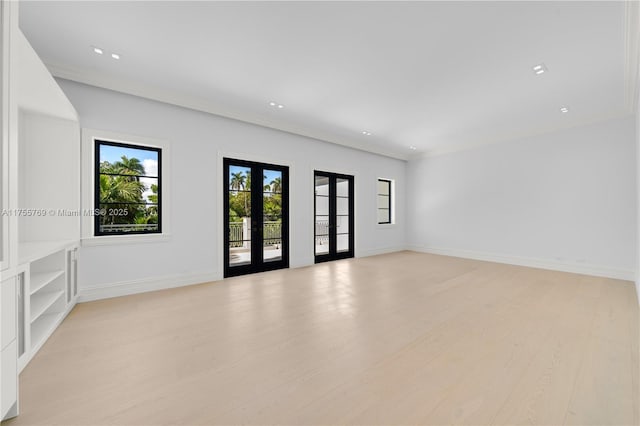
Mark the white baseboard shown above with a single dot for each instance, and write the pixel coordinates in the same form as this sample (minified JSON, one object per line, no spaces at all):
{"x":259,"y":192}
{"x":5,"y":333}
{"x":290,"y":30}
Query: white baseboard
{"x":375,"y":252}
{"x":576,"y":268}
{"x":124,"y":288}
{"x":144,"y":285}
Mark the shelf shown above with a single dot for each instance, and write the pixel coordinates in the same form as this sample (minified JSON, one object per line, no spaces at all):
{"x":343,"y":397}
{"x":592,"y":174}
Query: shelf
{"x":42,"y":328}
{"x":41,"y":302}
{"x":30,"y":251}
{"x":38,"y":281}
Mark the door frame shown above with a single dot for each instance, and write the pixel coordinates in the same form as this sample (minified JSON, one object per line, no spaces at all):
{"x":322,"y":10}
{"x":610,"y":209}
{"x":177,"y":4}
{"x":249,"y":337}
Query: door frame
{"x":333,"y":253}
{"x":257,"y":262}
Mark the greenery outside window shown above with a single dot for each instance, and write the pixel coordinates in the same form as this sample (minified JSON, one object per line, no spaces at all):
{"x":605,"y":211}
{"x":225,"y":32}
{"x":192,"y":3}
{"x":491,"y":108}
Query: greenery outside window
{"x":384,"y":202}
{"x":127,"y":190}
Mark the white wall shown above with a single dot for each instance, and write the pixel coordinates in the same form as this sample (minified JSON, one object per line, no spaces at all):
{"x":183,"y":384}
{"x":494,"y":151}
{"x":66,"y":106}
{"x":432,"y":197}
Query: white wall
{"x":198,"y":140}
{"x":565,"y":200}
{"x":638,"y":198}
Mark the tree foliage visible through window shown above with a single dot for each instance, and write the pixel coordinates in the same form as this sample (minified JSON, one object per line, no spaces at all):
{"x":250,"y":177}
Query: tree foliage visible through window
{"x":240,"y":196}
{"x":127,"y":189}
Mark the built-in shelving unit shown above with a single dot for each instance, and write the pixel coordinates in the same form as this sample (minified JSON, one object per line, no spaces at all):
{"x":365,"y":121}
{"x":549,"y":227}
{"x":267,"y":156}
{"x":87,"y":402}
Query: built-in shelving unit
{"x":47,"y":294}
{"x":40,"y":131}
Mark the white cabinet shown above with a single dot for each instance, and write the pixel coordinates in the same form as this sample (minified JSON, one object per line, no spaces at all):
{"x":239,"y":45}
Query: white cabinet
{"x":9,"y":353}
{"x":49,"y":294}
{"x":39,"y":133}
{"x":9,"y":311}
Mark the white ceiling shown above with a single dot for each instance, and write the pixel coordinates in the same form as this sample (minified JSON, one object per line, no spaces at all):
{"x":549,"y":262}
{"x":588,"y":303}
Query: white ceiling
{"x":439,"y":76}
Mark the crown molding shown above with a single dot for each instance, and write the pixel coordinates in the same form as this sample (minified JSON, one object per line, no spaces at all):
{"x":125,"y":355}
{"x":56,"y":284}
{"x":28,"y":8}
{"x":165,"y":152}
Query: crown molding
{"x":631,"y":54}
{"x":97,"y":79}
{"x":504,"y":139}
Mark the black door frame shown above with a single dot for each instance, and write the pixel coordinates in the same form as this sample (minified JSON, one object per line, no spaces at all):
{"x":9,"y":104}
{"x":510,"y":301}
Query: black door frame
{"x":257,"y":219}
{"x":333,"y":252}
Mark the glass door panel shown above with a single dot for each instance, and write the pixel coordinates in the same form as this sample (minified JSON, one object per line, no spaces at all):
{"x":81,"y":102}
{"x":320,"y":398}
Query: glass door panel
{"x":321,"y":215}
{"x":334,"y":218}
{"x":272,"y":215}
{"x":239,"y":215}
{"x":256,"y":219}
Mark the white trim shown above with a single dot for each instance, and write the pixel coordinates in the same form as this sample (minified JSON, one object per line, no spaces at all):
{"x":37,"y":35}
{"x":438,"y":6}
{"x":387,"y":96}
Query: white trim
{"x":392,"y":202}
{"x":173,"y":97}
{"x":356,"y":178}
{"x":576,"y":268}
{"x":107,"y":240}
{"x":378,"y":251}
{"x":516,"y":137}
{"x":638,"y":291}
{"x":257,"y":158}
{"x":144,"y":285}
{"x":87,"y":187}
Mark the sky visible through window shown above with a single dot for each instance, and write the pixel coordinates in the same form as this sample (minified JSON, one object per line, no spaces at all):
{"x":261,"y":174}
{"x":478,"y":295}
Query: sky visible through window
{"x":271,"y":175}
{"x":148,"y":159}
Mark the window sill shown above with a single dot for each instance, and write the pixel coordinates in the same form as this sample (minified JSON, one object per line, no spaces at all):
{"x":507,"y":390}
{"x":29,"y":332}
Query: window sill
{"x":385,"y":225}
{"x":107,"y":240}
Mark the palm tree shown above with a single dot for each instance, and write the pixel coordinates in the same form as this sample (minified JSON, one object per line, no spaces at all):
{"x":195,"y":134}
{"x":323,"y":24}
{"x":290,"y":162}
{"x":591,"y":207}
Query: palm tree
{"x":120,"y":192}
{"x":129,"y":166}
{"x":237,"y":181}
{"x":276,"y":185}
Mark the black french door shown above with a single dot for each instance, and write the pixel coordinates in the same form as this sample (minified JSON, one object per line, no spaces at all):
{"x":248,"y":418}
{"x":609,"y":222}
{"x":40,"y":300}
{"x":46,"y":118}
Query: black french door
{"x":256,"y":218}
{"x":334,"y":216}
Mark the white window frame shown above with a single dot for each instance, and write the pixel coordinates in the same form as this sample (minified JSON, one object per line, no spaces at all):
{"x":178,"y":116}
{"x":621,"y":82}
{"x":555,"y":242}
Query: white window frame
{"x":89,"y":137}
{"x":392,"y":202}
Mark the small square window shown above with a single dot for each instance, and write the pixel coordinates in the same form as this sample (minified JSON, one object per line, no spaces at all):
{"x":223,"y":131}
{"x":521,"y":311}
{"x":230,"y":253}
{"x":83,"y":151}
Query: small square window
{"x":384,"y":201}
{"x":128,"y":189}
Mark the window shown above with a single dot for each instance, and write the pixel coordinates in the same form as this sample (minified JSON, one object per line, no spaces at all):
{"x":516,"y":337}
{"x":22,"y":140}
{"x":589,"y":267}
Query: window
{"x":384,"y":201}
{"x":128,"y":189}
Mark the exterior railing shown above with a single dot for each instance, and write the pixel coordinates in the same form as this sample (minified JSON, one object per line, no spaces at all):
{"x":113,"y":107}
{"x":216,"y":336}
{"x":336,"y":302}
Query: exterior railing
{"x":235,"y":234}
{"x":129,"y":227}
{"x":272,"y":233}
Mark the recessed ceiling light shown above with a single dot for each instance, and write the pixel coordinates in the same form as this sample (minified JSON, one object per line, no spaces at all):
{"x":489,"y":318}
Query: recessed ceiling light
{"x":273,"y":103}
{"x":364,"y":132}
{"x":98,"y":50}
{"x":276,"y":105}
{"x":280,"y":106}
{"x":564,"y":110}
{"x":540,"y":69}
{"x":412,"y":148}
{"x":115,"y":56}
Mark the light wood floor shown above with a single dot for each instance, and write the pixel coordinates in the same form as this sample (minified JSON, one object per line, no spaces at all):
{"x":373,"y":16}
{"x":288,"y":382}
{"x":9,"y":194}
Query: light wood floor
{"x":393,"y":339}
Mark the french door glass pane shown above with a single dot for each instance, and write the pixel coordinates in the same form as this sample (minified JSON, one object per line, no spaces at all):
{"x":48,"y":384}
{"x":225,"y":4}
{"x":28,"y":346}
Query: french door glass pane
{"x":383,"y":216}
{"x":343,"y":242}
{"x":322,"y":185}
{"x":342,"y":187}
{"x":342,"y":206}
{"x":322,"y":244}
{"x":322,"y":215}
{"x":239,"y":215}
{"x":383,"y":187}
{"x":342,"y":214}
{"x":342,"y":225}
{"x":272,"y":215}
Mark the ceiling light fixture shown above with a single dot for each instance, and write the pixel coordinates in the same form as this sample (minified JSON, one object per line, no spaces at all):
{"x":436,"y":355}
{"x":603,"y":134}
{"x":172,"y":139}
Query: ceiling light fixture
{"x":412,"y":148}
{"x":97,"y":50}
{"x":115,"y":56}
{"x":276,"y":105}
{"x":564,"y":110}
{"x":364,"y":132}
{"x":540,"y":69}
